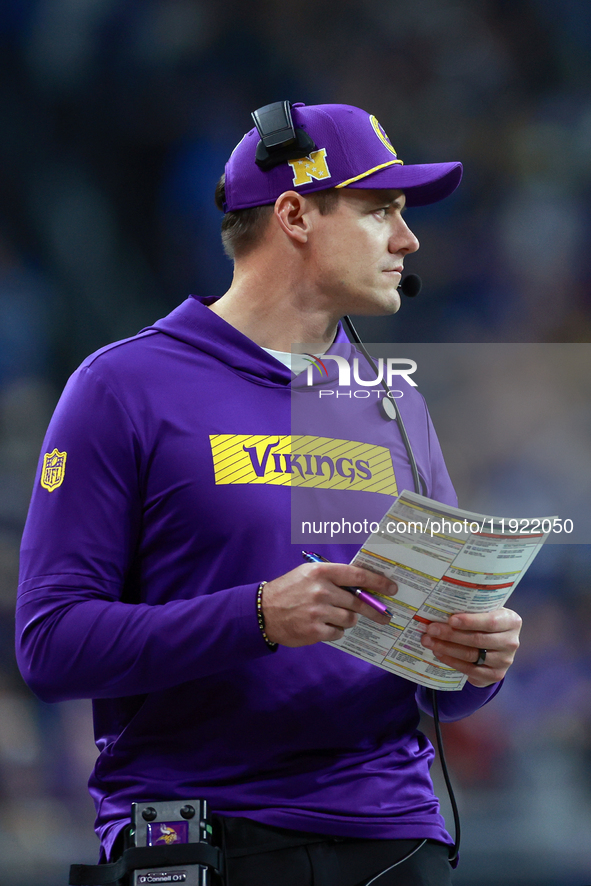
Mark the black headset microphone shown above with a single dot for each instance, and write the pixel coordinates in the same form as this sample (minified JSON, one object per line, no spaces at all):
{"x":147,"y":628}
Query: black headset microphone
{"x":411,"y":285}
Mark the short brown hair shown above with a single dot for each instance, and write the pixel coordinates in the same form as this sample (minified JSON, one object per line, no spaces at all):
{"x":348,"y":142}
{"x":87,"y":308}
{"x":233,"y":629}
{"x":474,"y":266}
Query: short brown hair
{"x":242,"y":229}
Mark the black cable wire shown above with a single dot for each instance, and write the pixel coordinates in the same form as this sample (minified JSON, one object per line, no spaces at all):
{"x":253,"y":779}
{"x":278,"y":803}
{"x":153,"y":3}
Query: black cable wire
{"x":418,"y":488}
{"x":452,"y":799}
{"x":413,"y":465}
{"x":398,"y":863}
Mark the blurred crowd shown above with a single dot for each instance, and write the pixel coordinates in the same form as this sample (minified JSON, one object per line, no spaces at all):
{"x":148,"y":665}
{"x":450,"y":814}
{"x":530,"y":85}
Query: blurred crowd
{"x":116,"y":118}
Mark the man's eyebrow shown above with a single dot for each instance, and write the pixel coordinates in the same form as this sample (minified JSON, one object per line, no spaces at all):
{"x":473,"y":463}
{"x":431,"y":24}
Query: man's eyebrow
{"x":398,"y":202}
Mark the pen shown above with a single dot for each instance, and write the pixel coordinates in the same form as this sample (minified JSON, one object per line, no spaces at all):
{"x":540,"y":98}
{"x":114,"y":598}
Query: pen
{"x":362,"y":595}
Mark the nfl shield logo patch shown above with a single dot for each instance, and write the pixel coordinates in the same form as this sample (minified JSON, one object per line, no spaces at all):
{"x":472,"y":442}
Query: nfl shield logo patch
{"x":54,"y":468}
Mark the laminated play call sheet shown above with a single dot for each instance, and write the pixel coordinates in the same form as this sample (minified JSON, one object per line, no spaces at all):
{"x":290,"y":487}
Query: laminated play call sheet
{"x":444,"y":560}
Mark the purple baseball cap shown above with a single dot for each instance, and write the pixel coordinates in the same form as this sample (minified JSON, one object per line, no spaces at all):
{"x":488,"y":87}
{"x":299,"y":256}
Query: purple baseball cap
{"x":352,"y":151}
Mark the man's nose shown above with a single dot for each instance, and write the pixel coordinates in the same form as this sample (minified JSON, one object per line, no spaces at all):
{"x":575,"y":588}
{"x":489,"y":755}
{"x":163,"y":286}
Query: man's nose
{"x":403,"y":239}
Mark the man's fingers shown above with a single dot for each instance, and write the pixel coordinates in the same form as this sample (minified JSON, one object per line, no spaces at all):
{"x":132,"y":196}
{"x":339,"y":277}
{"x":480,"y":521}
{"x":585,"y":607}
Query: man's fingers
{"x":497,"y":621}
{"x":471,"y":639}
{"x":343,"y":575}
{"x":455,"y":653}
{"x":341,"y":617}
{"x":348,"y":601}
{"x":484,"y":630}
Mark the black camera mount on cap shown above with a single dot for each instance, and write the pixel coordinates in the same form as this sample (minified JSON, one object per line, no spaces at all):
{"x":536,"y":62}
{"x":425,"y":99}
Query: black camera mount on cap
{"x":280,"y":140}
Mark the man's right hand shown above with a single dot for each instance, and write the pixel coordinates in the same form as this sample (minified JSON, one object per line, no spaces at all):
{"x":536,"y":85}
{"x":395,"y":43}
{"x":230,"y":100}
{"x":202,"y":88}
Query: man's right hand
{"x":308,"y":604}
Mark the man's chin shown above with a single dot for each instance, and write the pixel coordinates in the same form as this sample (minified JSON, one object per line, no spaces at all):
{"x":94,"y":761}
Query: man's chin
{"x":380,"y":307}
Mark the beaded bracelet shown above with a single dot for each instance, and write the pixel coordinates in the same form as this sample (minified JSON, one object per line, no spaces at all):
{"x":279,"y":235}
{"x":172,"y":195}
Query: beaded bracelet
{"x":261,"y":617}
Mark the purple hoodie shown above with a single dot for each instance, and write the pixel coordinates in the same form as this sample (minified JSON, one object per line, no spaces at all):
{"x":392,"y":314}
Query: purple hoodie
{"x":164,"y":495}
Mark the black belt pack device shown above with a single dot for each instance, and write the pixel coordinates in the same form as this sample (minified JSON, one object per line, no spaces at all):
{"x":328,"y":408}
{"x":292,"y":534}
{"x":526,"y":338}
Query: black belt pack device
{"x":171,"y":823}
{"x":168,"y":841}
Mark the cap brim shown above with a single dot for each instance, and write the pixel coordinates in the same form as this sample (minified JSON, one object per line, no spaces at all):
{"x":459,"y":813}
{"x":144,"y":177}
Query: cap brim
{"x":422,"y":184}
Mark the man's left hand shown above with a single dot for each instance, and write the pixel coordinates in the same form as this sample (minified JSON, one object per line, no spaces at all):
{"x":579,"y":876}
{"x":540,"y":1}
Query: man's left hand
{"x":457,"y":643}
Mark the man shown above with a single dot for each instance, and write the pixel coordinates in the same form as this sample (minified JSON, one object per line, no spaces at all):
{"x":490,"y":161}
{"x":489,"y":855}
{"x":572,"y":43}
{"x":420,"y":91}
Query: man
{"x":158,"y":577}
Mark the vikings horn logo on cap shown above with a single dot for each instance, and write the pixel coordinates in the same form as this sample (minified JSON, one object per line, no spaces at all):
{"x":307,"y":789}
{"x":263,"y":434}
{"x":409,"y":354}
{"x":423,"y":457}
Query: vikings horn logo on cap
{"x":381,"y":134}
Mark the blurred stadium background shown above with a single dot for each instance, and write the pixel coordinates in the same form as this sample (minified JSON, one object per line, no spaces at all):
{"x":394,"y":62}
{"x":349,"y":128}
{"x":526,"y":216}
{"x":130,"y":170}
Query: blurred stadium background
{"x":116,"y":118}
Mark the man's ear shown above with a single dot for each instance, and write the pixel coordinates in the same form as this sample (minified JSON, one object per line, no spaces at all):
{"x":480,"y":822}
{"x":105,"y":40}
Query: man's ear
{"x":292,"y":211}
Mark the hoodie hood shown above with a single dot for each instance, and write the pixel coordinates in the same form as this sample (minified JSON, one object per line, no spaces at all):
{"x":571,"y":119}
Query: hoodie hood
{"x":193,"y":323}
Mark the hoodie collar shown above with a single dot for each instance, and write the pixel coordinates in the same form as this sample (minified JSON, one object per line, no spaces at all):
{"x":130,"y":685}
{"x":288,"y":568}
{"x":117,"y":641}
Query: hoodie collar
{"x":192,"y":322}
